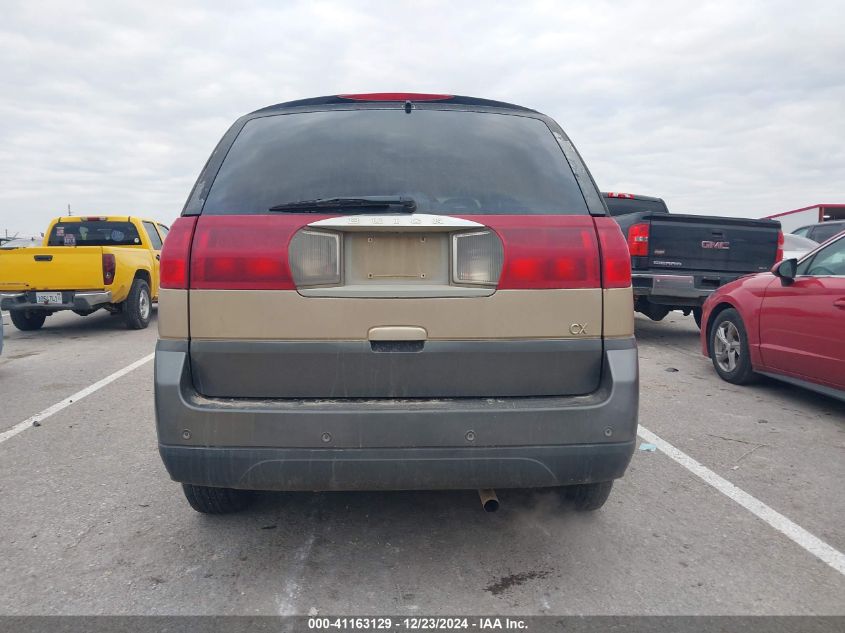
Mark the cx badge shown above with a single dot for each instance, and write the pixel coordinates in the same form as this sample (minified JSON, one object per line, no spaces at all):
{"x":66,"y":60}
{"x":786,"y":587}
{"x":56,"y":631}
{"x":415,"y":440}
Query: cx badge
{"x":578,"y":328}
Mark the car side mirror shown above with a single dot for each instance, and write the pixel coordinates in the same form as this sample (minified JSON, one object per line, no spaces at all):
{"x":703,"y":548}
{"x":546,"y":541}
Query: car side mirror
{"x":786,"y":270}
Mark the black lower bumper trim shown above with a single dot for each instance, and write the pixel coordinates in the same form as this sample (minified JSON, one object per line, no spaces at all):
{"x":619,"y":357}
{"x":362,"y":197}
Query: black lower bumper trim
{"x":396,"y":468}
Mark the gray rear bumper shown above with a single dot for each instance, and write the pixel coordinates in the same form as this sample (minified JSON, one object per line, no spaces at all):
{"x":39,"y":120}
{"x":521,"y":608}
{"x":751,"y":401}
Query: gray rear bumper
{"x":71,"y":300}
{"x":356,"y":444}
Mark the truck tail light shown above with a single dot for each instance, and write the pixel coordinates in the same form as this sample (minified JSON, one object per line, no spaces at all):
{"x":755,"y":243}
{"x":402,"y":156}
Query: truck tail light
{"x":315,"y":258}
{"x":638,"y":239}
{"x":545,"y":252}
{"x":175,"y":254}
{"x":616,"y":260}
{"x":477,"y":258}
{"x":779,"y":252}
{"x":109,"y":265}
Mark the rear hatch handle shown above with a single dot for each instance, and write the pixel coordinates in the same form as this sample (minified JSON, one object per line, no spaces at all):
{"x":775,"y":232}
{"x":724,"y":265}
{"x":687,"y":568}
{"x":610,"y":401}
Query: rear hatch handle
{"x":43,"y":258}
{"x":403,"y":339}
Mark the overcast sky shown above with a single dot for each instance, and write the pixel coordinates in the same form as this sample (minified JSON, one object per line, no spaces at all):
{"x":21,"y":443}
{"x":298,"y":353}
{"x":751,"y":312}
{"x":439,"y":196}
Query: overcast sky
{"x":734,"y":108}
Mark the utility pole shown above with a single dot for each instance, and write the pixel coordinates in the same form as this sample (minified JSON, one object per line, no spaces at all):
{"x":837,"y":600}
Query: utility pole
{"x":68,"y":209}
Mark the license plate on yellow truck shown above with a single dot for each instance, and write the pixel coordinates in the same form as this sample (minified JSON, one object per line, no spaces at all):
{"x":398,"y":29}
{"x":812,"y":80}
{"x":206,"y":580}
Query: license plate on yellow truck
{"x":48,"y":298}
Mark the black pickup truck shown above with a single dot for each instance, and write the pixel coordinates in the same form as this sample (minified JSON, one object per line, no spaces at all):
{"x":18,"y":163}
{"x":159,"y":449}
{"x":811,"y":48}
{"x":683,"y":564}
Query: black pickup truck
{"x":678,"y":260}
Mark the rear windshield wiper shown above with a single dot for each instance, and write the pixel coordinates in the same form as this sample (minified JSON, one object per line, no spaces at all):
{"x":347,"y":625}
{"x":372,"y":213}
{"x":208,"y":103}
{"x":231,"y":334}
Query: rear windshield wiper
{"x":402,"y":204}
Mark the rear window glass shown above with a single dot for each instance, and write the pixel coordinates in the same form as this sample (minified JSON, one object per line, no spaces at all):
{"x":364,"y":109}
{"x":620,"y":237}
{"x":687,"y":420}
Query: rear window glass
{"x":94,"y":233}
{"x":823,"y":232}
{"x":623,"y":206}
{"x":155,"y":240}
{"x":447,"y":161}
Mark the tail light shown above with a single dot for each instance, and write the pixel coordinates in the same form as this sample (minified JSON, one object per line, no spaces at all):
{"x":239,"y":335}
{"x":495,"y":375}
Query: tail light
{"x":477,"y":258}
{"x":282,"y":253}
{"x":175,"y":254}
{"x":109,"y":265}
{"x":395,"y":96}
{"x":250,"y":252}
{"x":638,"y":239}
{"x":616,"y":260}
{"x":315,"y":258}
{"x":545,"y":252}
{"x":779,"y":252}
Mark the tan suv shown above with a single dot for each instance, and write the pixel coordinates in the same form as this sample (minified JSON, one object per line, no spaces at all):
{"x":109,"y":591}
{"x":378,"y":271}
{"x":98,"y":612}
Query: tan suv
{"x":395,"y":292}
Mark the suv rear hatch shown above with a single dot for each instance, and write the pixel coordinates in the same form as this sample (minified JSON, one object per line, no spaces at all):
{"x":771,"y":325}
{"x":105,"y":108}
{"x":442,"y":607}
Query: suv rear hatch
{"x":717,"y":244}
{"x":468,"y":267}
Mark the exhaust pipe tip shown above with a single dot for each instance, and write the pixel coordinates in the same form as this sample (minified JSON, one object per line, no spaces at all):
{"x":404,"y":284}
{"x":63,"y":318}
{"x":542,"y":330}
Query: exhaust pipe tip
{"x":489,"y":500}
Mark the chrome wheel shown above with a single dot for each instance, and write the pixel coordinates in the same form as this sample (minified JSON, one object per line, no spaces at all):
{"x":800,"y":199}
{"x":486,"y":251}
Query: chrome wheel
{"x":727,"y":346}
{"x":144,"y":305}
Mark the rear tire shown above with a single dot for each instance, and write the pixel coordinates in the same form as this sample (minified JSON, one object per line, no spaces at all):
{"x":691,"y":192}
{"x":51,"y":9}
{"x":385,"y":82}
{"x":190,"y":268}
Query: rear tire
{"x":137,"y":309}
{"x":588,"y":497}
{"x":28,"y":320}
{"x":729,"y":348}
{"x":209,"y":500}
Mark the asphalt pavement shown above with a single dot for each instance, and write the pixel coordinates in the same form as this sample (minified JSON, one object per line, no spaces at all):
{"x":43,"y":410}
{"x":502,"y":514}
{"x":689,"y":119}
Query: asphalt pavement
{"x":91,"y":524}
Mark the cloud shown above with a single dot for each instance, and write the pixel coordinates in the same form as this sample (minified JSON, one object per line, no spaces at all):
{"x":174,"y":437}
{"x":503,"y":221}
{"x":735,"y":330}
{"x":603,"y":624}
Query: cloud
{"x":723,"y":108}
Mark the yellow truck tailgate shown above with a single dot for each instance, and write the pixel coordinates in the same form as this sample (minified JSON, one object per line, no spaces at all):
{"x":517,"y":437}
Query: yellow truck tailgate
{"x":52,"y":268}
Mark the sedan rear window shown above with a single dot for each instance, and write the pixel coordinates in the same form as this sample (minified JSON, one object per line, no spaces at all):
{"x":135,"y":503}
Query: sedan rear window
{"x":94,"y":233}
{"x":823,"y":232}
{"x":447,"y":161}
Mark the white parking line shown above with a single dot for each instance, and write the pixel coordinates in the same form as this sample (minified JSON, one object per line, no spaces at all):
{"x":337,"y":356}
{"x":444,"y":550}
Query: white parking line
{"x":785,"y":526}
{"x":775,"y":519}
{"x":287,"y":602}
{"x":20,"y":427}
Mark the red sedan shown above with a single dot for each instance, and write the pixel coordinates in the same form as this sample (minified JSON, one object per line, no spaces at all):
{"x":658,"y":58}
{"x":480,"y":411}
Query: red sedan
{"x":788,"y":324}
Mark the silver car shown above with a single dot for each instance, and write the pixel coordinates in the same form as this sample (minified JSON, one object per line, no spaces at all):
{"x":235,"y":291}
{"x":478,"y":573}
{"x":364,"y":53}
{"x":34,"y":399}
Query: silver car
{"x":795,"y":246}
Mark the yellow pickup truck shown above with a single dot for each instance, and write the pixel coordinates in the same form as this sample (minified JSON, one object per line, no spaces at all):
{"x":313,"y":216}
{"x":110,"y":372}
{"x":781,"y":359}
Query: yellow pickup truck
{"x":84,"y":264}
